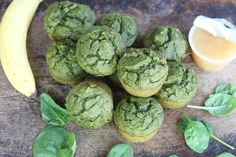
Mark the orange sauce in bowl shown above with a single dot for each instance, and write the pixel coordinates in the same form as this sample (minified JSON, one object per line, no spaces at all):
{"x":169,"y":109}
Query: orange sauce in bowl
{"x":209,"y":52}
{"x":213,"y":47}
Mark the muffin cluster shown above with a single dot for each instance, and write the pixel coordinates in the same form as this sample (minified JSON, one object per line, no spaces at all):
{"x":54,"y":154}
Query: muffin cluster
{"x":151,"y":77}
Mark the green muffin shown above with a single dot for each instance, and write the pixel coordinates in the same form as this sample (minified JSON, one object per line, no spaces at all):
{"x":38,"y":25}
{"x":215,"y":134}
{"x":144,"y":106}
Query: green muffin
{"x":98,"y":51}
{"x":169,"y":40}
{"x":142,"y":71}
{"x":123,"y":24}
{"x":62,"y":63}
{"x":90,"y":104}
{"x":179,"y":88}
{"x":67,"y":20}
{"x":138,"y":119}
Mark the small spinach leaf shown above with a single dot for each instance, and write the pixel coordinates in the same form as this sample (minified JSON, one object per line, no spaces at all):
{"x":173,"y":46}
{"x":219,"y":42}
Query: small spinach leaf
{"x":198,"y":133}
{"x":197,"y":137}
{"x":51,"y":112}
{"x":195,"y":133}
{"x":225,"y":154}
{"x":226,"y":102}
{"x":55,"y":142}
{"x":218,"y":105}
{"x":226,"y":88}
{"x":121,"y":150}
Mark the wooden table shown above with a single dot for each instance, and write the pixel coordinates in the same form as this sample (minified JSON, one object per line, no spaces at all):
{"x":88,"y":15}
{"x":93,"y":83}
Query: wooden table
{"x":20,"y":120}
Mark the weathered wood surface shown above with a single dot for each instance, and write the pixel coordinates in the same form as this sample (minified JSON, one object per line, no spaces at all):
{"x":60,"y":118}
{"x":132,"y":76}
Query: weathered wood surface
{"x":20,"y":120}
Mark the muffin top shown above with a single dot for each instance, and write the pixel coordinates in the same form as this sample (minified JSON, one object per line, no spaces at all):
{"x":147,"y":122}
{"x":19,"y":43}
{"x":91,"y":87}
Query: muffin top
{"x":142,"y":68}
{"x":123,"y":24}
{"x":169,"y":40}
{"x":138,"y":116}
{"x":62,"y":63}
{"x":90,"y":104}
{"x":181,"y":83}
{"x":98,"y":51}
{"x":67,"y":20}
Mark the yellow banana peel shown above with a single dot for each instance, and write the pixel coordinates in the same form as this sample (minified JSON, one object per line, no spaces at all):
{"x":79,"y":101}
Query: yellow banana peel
{"x":13,"y":53}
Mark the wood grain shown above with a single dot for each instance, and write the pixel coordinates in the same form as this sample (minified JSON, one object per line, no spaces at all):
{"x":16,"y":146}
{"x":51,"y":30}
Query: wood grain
{"x":20,"y":120}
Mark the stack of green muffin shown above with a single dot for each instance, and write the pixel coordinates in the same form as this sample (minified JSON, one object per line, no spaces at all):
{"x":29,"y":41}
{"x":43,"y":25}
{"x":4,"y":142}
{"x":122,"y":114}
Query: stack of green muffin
{"x":150,"y":75}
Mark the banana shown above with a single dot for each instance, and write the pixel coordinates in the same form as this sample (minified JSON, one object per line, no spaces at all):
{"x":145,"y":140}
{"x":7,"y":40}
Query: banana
{"x":13,"y":53}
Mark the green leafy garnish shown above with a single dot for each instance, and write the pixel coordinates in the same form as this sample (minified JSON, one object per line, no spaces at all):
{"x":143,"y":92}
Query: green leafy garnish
{"x":173,"y":156}
{"x":51,"y":112}
{"x":218,"y":105}
{"x":197,"y":134}
{"x":121,"y":150}
{"x":222,"y":103}
{"x":225,"y":154}
{"x":55,"y":142}
{"x":226,"y":88}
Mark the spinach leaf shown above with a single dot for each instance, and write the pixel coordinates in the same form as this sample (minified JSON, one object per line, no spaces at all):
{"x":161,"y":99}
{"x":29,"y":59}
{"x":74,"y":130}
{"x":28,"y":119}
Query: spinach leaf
{"x":121,"y":150}
{"x":226,"y":154}
{"x":55,"y":142}
{"x":195,"y":133}
{"x":226,"y":88}
{"x":197,"y":137}
{"x":227,"y":103}
{"x":173,"y":156}
{"x":51,"y":112}
{"x":218,"y":105}
{"x":211,"y":134}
